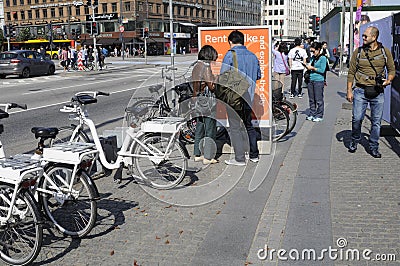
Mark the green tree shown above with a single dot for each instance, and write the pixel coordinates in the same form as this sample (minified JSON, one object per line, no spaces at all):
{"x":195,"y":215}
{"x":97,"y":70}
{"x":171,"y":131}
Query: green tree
{"x":24,"y":34}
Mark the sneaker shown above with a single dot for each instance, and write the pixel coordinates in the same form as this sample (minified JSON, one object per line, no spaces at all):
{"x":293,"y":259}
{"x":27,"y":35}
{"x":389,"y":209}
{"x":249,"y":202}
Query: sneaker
{"x":198,"y":158}
{"x":254,"y":160}
{"x":317,"y":119}
{"x":353,"y":147}
{"x":291,"y":96}
{"x":376,"y":154}
{"x":300,"y":95}
{"x":234,"y":162}
{"x":325,"y":84}
{"x":212,"y":161}
{"x":310,"y":118}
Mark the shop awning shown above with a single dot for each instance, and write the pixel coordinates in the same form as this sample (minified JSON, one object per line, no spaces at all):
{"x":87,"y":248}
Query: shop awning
{"x":187,"y":24}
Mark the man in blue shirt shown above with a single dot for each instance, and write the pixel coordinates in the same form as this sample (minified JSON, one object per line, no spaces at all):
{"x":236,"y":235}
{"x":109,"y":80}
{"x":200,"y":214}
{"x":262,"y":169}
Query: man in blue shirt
{"x":248,"y":65}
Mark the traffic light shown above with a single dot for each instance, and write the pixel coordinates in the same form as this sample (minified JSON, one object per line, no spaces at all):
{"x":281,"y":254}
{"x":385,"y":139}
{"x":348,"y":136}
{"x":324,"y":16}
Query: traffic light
{"x":146,"y":33}
{"x":88,"y":27}
{"x":95,"y":28}
{"x":317,"y":25}
{"x":78,"y":33}
{"x":311,"y":22}
{"x":5,"y":31}
{"x":281,"y":22}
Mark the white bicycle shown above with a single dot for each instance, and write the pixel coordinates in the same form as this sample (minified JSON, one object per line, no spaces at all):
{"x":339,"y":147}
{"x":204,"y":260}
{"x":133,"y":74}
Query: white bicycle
{"x":154,"y":150}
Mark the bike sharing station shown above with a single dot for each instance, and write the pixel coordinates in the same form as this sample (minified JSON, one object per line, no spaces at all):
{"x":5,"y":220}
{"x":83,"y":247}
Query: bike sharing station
{"x":257,"y":40}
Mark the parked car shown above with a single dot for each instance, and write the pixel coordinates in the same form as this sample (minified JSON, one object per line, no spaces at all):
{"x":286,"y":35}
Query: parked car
{"x":25,"y":63}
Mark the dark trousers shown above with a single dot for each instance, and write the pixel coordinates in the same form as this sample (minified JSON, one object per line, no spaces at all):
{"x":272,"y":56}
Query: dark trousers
{"x":316,"y":98}
{"x":297,"y":77}
{"x":337,"y":59}
{"x":205,"y":129}
{"x":242,"y":133}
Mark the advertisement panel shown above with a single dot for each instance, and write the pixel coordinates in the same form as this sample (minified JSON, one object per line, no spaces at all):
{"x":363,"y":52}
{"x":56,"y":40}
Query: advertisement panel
{"x":395,"y":93}
{"x":257,"y":40}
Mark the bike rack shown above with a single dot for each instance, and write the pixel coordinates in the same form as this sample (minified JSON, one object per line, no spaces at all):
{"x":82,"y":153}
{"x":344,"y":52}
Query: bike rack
{"x":68,"y":152}
{"x":19,"y":167}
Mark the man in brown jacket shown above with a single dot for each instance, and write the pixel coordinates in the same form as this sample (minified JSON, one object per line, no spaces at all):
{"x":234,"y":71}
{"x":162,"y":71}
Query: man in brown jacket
{"x":367,"y":68}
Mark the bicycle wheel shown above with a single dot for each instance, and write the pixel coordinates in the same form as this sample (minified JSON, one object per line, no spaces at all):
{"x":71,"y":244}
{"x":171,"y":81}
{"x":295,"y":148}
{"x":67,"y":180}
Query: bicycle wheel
{"x":141,"y":111}
{"x":22,"y":235}
{"x":162,"y":174}
{"x":65,"y":135}
{"x":74,"y":211}
{"x":291,"y":109}
{"x":280,"y":122}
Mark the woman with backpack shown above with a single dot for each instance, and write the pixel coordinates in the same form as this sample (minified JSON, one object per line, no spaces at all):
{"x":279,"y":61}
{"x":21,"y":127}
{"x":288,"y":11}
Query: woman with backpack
{"x":316,"y":85}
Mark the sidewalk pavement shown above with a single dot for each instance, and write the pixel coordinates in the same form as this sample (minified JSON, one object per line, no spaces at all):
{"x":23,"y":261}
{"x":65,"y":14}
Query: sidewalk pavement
{"x":315,"y":193}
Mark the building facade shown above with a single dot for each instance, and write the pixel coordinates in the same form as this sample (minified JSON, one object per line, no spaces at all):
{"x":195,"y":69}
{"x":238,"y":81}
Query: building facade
{"x":290,"y":18}
{"x":66,"y":19}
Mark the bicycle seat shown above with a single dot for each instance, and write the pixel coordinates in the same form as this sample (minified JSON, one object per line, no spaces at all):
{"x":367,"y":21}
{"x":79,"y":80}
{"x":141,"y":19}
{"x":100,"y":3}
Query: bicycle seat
{"x":3,"y":114}
{"x":84,"y":99}
{"x":156,"y":88}
{"x":45,"y":132}
{"x":137,"y":111}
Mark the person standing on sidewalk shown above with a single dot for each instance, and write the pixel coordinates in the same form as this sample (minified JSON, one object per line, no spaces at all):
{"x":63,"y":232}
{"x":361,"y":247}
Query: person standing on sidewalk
{"x":367,"y":68}
{"x":297,"y":60}
{"x":203,"y":86}
{"x":336,"y":53}
{"x":281,"y":65}
{"x":316,"y":84}
{"x":248,"y":65}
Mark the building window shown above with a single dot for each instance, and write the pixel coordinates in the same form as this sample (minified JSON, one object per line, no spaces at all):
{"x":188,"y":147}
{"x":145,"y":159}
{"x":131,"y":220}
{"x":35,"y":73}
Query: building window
{"x":44,"y":1}
{"x":178,"y":10}
{"x":275,"y":12}
{"x":113,"y":7}
{"x":7,"y":2}
{"x":104,"y":7}
{"x":14,"y":2}
{"x":37,"y":14}
{"x":78,"y":11}
{"x":29,"y":2}
{"x":86,"y":10}
{"x":8,"y":16}
{"x":150,"y":7}
{"x":158,"y":8}
{"x":21,"y":2}
{"x":276,"y":2}
{"x":140,"y":7}
{"x":60,"y":12}
{"x":22,"y":15}
{"x":270,"y":2}
{"x":281,"y":12}
{"x":276,"y":32}
{"x":185,"y":11}
{"x":269,"y":22}
{"x":270,"y":12}
{"x":109,"y":26}
{"x":165,"y":9}
{"x":275,"y":22}
{"x":127,"y":6}
{"x":53,"y":12}
{"x":29,"y":14}
{"x":282,"y":2}
{"x":44,"y":13}
{"x":36,"y":1}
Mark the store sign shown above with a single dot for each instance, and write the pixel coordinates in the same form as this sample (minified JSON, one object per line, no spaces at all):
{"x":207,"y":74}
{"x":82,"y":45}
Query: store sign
{"x":74,"y":3}
{"x":177,"y":35}
{"x":98,"y":17}
{"x":184,"y":4}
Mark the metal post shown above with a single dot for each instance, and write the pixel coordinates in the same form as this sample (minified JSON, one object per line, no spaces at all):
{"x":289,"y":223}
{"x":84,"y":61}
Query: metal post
{"x":319,"y":15}
{"x":342,"y":37}
{"x":351,"y":37}
{"x":8,"y":44}
{"x":96,"y":59}
{"x":218,"y":13}
{"x":121,"y":34}
{"x":171,"y":37}
{"x":145,"y":50}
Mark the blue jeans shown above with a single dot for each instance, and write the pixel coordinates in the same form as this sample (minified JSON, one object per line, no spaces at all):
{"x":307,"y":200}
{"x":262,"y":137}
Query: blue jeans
{"x":360,"y":104}
{"x":316,"y":98}
{"x":239,"y":125}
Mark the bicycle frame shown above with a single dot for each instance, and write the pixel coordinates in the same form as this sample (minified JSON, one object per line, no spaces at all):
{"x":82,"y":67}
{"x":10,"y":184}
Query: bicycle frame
{"x":132,"y":138}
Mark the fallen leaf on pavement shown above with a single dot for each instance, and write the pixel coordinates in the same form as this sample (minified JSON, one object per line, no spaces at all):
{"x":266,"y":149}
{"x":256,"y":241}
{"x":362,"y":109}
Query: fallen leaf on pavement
{"x":158,"y":238}
{"x":112,"y":252}
{"x":167,"y":242}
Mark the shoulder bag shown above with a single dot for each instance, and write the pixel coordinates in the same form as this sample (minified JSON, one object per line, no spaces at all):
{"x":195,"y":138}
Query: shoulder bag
{"x":205,"y":100}
{"x":232,"y":85}
{"x":286,"y":67}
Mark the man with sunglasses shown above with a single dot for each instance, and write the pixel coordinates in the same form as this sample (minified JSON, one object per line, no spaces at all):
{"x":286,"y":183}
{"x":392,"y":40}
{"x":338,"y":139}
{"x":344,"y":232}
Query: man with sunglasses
{"x":367,"y":69}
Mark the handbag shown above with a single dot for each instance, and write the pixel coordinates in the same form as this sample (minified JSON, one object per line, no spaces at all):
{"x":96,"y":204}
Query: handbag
{"x":307,"y":76}
{"x":287,"y":72}
{"x":371,"y":92}
{"x":232,"y":85}
{"x":205,"y":103}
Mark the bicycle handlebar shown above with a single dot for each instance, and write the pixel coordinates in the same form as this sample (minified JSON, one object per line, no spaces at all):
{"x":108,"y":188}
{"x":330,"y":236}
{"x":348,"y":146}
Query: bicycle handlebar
{"x":8,"y":106}
{"x":103,"y":93}
{"x":93,"y":93}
